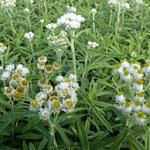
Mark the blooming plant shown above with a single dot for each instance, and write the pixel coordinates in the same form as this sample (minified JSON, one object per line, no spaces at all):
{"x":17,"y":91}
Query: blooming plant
{"x":57,"y":87}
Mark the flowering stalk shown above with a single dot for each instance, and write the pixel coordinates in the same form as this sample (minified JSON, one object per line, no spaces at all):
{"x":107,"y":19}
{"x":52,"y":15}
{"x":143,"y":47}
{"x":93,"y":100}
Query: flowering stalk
{"x":118,"y":18}
{"x":73,"y":51}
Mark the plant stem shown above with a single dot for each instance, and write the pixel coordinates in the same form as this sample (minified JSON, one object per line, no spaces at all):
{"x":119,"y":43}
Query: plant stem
{"x":73,"y":52}
{"x":52,"y":133}
{"x":118,"y":19}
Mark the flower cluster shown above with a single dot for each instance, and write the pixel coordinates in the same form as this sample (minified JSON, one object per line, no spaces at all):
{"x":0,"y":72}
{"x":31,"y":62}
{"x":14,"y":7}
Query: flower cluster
{"x":58,"y":40}
{"x":92,"y":44}
{"x":2,"y":48}
{"x":41,"y":65}
{"x":119,"y":3}
{"x":29,"y":35}
{"x":17,"y":82}
{"x":135,"y":76}
{"x":8,"y":3}
{"x":70,"y":20}
{"x":54,"y":98}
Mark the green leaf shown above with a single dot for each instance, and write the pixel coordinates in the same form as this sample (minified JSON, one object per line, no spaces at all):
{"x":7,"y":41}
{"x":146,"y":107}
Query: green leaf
{"x":43,"y":143}
{"x":83,"y":136}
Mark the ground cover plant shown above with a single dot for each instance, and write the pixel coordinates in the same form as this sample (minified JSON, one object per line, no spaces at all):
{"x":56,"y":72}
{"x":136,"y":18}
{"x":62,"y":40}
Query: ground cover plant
{"x":74,"y":75}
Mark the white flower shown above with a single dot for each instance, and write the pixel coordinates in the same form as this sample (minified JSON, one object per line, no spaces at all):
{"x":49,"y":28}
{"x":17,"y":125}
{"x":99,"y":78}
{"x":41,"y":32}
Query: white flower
{"x":126,"y":75}
{"x":125,"y":5}
{"x":51,"y":26}
{"x":92,"y":44}
{"x":146,"y":68}
{"x":127,"y":107}
{"x":140,"y":96}
{"x":44,"y":113}
{"x":140,"y":117}
{"x":29,"y":35}
{"x":26,"y":10}
{"x":146,"y":107}
{"x":40,"y":66}
{"x":63,"y":85}
{"x":68,"y":105}
{"x":125,"y":64}
{"x":8,"y":3}
{"x":139,"y":1}
{"x":40,"y":96}
{"x":139,"y":74}
{"x":120,"y":98}
{"x":59,"y":78}
{"x":71,"y":9}
{"x":5,"y":75}
{"x":138,"y":85}
{"x":73,"y":77}
{"x":10,"y":68}
{"x":136,"y":106}
{"x":2,"y":48}
{"x":70,"y":20}
{"x":93,"y":11}
{"x":41,"y":21}
{"x":118,"y":69}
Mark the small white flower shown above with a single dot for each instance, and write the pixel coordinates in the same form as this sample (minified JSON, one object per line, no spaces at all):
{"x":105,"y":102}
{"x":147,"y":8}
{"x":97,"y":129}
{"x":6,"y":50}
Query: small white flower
{"x":139,"y":1}
{"x":120,"y":98}
{"x":127,"y":107}
{"x":71,"y":9}
{"x":136,"y":106}
{"x":73,"y":77}
{"x":146,"y":107}
{"x":93,"y":11}
{"x":29,"y":35}
{"x":40,"y":96}
{"x":10,"y":68}
{"x":125,"y":64}
{"x":2,"y":48}
{"x":44,"y":113}
{"x":140,"y":96}
{"x":8,"y":3}
{"x":63,"y":85}
{"x":5,"y":75}
{"x":26,"y":10}
{"x":118,"y":69}
{"x":92,"y":44}
{"x":41,"y":21}
{"x":146,"y":68}
{"x":40,"y":66}
{"x":59,"y":78}
{"x":125,"y":75}
{"x":139,"y":74}
{"x":51,"y":26}
{"x":140,"y":117}
{"x":138,"y":85}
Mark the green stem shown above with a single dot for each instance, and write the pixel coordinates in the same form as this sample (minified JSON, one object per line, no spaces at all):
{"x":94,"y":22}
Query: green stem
{"x":73,"y":52}
{"x":52,"y":134}
{"x":118,"y":19}
{"x":93,"y":22}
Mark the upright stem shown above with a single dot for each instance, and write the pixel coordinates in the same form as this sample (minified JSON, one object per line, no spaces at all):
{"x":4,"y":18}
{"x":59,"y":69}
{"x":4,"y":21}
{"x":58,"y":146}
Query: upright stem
{"x":52,"y":133}
{"x":73,"y":52}
{"x":93,"y":22}
{"x":31,"y":46}
{"x":118,"y":19}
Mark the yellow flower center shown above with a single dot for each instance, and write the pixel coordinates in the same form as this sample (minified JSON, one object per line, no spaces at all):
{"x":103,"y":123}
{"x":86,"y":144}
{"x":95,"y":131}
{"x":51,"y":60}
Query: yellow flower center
{"x":119,"y":94}
{"x":117,"y":66}
{"x":56,"y":66}
{"x":126,"y":73}
{"x":147,"y":104}
{"x":56,"y":104}
{"x":140,"y":81}
{"x":140,"y":71}
{"x":137,"y":103}
{"x":48,"y":68}
{"x":69,"y":104}
{"x":25,"y":82}
{"x":34,"y":104}
{"x":9,"y":90}
{"x":20,"y":89}
{"x":140,"y":94}
{"x":127,"y":104}
{"x":17,"y":95}
{"x":147,"y":64}
{"x":141,"y":114}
